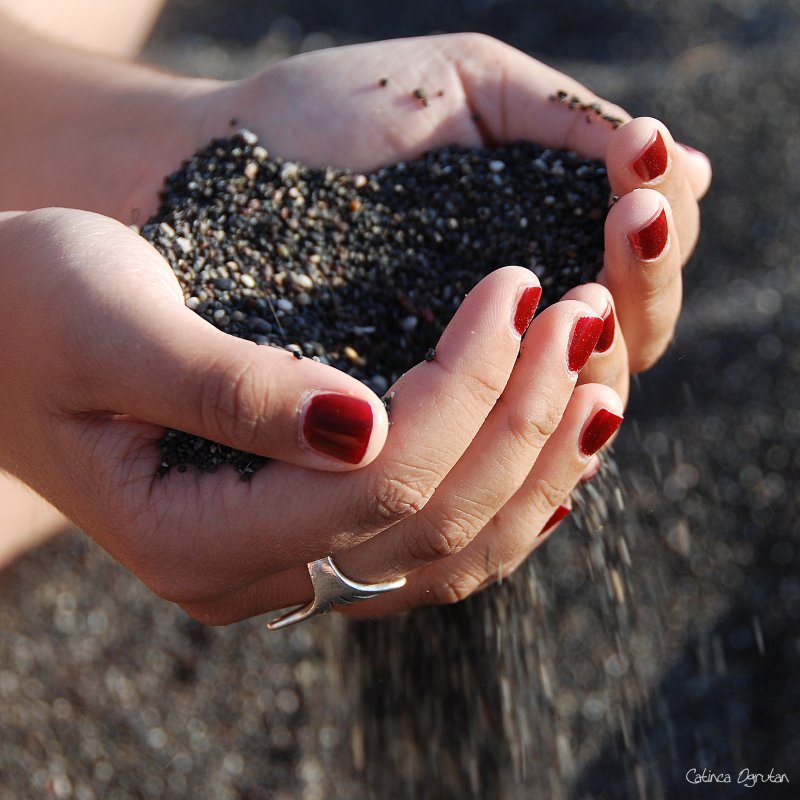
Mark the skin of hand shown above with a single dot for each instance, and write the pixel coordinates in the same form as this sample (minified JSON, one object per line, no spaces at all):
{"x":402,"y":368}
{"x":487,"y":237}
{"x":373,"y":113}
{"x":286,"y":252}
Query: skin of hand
{"x":483,"y":447}
{"x":448,"y":518}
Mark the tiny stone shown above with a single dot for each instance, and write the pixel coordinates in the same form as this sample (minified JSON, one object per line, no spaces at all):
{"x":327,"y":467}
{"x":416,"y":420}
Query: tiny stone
{"x":289,"y":170}
{"x":251,"y":170}
{"x":431,"y":354}
{"x":496,"y":166}
{"x":248,"y":136}
{"x":352,"y":355}
{"x":301,"y":280}
{"x":183,"y":244}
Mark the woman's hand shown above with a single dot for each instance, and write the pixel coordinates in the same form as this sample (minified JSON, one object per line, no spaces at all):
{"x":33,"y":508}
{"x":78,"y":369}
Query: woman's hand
{"x":100,"y":354}
{"x":369,"y":105}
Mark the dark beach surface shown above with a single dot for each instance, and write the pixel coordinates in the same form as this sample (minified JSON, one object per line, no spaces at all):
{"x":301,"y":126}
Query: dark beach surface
{"x":686,"y":661}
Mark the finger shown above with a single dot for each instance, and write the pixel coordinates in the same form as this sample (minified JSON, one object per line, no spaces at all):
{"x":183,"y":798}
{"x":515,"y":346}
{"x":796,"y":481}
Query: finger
{"x":698,"y":169}
{"x":593,"y":415}
{"x":168,"y":366}
{"x":557,"y":345}
{"x":609,"y":361}
{"x":642,"y":270}
{"x":513,"y":96}
{"x":643,"y":154}
{"x":437,"y":409}
{"x":122,"y":342}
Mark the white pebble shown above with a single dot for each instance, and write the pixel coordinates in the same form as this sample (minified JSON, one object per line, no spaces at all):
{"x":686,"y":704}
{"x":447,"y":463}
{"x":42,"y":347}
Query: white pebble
{"x":251,"y":170}
{"x":289,"y":170}
{"x":248,"y":281}
{"x":496,"y":165}
{"x":409,"y":323}
{"x":301,"y":281}
{"x":260,"y":153}
{"x":166,"y":229}
{"x":183,"y":244}
{"x":285,"y":305}
{"x":248,"y":136}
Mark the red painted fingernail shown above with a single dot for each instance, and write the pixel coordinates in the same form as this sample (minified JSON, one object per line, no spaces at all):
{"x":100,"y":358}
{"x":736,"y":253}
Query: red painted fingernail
{"x":338,"y":426}
{"x":558,"y":515}
{"x":526,"y":307}
{"x":653,"y":161}
{"x":650,"y":241}
{"x":607,"y":334}
{"x":584,"y":338}
{"x":599,"y":430}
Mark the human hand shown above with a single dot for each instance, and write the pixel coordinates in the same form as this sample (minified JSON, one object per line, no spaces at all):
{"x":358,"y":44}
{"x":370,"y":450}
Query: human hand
{"x":100,"y":354}
{"x":330,"y":108}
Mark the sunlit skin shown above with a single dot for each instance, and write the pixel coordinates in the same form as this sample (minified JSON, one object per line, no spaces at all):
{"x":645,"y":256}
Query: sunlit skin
{"x":484,"y":446}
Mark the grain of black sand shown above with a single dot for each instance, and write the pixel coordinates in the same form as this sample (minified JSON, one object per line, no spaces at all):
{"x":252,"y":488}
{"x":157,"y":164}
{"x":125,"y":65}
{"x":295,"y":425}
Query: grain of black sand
{"x":364,"y":271}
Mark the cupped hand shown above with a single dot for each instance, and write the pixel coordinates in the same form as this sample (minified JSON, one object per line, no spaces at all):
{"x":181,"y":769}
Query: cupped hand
{"x":100,"y":354}
{"x":369,"y":105}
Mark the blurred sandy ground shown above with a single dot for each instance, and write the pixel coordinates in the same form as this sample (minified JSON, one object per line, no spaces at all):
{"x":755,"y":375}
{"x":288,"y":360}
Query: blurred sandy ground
{"x":107,"y":692}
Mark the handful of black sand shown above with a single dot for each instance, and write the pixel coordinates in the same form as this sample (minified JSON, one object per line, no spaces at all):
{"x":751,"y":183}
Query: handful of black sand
{"x":363,"y":272}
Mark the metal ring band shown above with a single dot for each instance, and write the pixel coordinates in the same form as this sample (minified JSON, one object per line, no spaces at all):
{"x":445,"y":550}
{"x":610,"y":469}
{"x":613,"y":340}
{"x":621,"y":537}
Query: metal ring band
{"x":331,"y":588}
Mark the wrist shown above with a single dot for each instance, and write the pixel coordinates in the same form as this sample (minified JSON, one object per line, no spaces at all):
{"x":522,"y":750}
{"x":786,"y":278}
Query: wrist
{"x":89,"y":132}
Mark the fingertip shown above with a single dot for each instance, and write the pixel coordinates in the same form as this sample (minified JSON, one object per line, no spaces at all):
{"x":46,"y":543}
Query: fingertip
{"x":602,"y":422}
{"x":640,"y":223}
{"x":639,"y":152}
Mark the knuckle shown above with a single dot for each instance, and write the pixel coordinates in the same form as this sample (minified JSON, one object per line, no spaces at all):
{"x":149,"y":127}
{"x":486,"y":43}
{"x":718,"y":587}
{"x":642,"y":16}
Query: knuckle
{"x":396,"y":498}
{"x":534,"y":428}
{"x":486,"y":385}
{"x":228,"y":397}
{"x":430,"y":541}
{"x":450,"y":589}
{"x":546,"y":495}
{"x":473,"y":42}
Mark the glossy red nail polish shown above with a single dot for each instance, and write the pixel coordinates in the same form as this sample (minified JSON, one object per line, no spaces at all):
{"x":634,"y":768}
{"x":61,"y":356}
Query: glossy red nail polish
{"x":584,"y":338}
{"x":607,"y":334}
{"x":338,"y":426}
{"x":650,"y":241}
{"x":653,"y":161}
{"x":558,"y":515}
{"x":526,"y":307}
{"x":599,"y":430}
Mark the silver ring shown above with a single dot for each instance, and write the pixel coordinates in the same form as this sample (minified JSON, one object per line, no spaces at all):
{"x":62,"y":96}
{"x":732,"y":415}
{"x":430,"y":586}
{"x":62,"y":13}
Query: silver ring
{"x":331,"y":588}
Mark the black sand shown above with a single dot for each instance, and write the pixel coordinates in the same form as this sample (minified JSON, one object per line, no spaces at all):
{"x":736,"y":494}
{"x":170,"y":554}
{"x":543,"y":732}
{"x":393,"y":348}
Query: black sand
{"x":363,"y":272}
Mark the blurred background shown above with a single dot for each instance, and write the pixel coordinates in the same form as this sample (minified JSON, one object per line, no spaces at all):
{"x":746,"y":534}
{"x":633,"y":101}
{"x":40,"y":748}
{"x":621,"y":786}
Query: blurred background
{"x":107,"y":692}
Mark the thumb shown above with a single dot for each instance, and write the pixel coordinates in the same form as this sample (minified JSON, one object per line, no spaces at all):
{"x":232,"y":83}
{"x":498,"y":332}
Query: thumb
{"x":180,"y":372}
